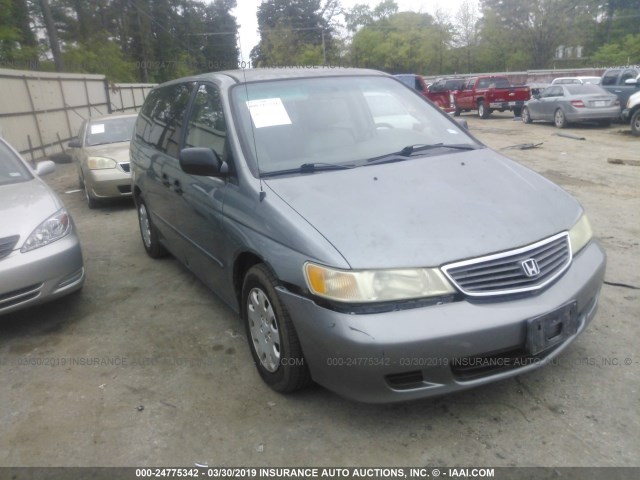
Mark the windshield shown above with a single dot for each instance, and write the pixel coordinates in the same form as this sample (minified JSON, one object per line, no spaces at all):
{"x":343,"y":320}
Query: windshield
{"x":12,"y":169}
{"x":285,"y":124}
{"x":113,"y":130}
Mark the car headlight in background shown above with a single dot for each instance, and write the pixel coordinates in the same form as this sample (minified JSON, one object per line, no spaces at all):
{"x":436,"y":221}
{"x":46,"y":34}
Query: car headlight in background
{"x":101,"y":163}
{"x":375,"y":285}
{"x":53,"y":228}
{"x":580,"y":234}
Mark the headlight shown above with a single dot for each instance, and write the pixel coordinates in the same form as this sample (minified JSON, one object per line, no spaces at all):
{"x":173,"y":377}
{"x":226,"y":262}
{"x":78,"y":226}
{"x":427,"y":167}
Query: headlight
{"x":580,"y":234}
{"x":53,"y":228}
{"x":375,"y":285}
{"x":101,"y":163}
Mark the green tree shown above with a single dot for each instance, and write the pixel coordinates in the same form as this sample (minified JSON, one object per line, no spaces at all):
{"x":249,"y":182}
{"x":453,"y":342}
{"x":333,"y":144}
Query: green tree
{"x":295,"y":32}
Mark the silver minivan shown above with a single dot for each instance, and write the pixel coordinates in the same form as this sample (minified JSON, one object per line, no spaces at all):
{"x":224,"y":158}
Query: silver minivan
{"x":386,"y":258}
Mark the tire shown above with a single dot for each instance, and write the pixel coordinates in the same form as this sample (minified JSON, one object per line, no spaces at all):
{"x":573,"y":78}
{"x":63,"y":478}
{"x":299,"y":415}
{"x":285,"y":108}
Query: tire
{"x":559,"y":119}
{"x":517,"y":112}
{"x":148,"y":232}
{"x":635,"y":123}
{"x":526,"y":116}
{"x":483,"y":112}
{"x":272,"y":338}
{"x":91,"y":201}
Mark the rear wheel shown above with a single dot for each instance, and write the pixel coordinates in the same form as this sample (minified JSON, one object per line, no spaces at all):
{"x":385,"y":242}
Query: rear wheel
{"x":526,"y":116}
{"x":483,"y":111}
{"x":635,"y":123}
{"x":149,"y":234}
{"x":559,"y":119}
{"x":272,"y":337}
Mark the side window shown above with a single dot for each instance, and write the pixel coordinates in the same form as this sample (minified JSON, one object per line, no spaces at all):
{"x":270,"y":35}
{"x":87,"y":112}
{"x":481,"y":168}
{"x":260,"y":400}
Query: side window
{"x":627,"y":75}
{"x":610,"y":77}
{"x":207,"y":126}
{"x":161,"y":120}
{"x":470,"y":83}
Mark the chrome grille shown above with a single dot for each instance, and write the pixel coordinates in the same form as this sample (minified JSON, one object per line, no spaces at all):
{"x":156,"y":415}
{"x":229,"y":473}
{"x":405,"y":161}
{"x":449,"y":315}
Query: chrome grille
{"x":504,"y":273}
{"x":7,"y":244}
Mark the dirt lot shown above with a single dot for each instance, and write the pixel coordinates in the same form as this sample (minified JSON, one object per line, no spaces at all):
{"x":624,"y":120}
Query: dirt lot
{"x":149,"y":368}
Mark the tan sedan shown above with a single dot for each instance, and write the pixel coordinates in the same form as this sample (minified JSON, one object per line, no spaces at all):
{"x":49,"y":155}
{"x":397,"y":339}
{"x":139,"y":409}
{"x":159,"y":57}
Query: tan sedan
{"x":101,"y":153}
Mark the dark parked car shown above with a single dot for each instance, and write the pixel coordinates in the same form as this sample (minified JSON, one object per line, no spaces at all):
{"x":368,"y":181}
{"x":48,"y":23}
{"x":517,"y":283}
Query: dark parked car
{"x":622,"y":82}
{"x":40,"y":255}
{"x":385,"y":259}
{"x":572,"y":103}
{"x":414,"y":81}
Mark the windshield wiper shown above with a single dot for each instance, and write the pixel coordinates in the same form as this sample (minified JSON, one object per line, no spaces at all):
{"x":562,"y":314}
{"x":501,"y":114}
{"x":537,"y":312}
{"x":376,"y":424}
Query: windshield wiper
{"x":309,"y":168}
{"x":409,"y":150}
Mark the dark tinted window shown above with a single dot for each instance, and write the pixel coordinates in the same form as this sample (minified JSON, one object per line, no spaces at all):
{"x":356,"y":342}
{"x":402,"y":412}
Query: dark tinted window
{"x":161,"y":119}
{"x":12,"y":170}
{"x":206,"y":126}
{"x":610,"y":77}
{"x":628,"y":74}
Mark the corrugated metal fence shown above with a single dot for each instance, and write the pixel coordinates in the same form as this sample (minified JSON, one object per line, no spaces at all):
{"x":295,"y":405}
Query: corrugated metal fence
{"x":41,"y":111}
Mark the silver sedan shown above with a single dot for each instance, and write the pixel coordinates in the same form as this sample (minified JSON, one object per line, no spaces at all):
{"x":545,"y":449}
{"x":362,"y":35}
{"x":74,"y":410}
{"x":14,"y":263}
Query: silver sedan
{"x":40,"y":256}
{"x":564,"y":104}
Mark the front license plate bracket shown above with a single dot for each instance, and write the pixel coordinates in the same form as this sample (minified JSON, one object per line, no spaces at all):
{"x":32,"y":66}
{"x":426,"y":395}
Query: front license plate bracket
{"x":551,"y":329}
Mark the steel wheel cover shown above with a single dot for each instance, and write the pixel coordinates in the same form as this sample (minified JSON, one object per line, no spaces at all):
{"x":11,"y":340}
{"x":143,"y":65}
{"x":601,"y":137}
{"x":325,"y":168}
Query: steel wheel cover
{"x":145,"y":226}
{"x":263,"y":326}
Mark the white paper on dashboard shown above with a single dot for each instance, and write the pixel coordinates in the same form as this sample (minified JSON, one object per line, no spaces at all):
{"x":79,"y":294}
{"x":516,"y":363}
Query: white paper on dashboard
{"x":97,"y":128}
{"x":268,"y":112}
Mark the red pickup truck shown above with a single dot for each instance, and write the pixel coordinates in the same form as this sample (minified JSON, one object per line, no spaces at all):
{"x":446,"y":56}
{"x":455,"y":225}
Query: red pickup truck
{"x":489,"y":93}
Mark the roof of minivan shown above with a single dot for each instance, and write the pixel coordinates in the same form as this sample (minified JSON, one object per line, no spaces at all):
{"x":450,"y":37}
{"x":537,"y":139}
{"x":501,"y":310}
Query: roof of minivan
{"x":260,"y":74}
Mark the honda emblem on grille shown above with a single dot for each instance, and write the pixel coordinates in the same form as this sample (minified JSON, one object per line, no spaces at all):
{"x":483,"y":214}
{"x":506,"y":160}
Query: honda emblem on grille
{"x":530,"y":267}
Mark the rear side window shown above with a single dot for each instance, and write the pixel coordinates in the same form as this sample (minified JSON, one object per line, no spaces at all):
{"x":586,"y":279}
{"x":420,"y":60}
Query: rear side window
{"x":206,"y":126}
{"x":161,"y":120}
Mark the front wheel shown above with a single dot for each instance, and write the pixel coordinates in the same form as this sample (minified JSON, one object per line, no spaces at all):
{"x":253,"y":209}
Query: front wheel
{"x":526,"y":116}
{"x":148,"y":232}
{"x":559,"y":119}
{"x":271,"y":335}
{"x":635,"y":124}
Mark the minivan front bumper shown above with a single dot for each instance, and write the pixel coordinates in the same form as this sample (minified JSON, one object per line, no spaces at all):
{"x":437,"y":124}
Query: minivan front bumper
{"x":410,"y":354}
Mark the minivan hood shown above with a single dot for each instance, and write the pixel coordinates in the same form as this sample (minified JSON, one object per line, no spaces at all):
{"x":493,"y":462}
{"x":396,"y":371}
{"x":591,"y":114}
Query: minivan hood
{"x":24,"y":206}
{"x":429,"y":211}
{"x":117,"y":151}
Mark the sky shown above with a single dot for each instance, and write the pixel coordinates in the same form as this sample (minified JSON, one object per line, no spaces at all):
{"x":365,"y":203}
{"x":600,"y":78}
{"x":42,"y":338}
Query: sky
{"x":246,"y":11}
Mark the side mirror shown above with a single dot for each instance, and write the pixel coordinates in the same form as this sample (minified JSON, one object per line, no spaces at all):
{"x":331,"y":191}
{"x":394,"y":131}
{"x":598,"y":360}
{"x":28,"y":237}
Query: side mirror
{"x":203,"y":162}
{"x":45,"y":168}
{"x":463,"y":123}
{"x":631,"y":81}
{"x":74,"y":143}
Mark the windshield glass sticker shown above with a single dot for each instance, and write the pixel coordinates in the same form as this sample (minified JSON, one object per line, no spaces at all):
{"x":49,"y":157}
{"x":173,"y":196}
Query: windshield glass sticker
{"x":97,"y":128}
{"x":268,"y":112}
